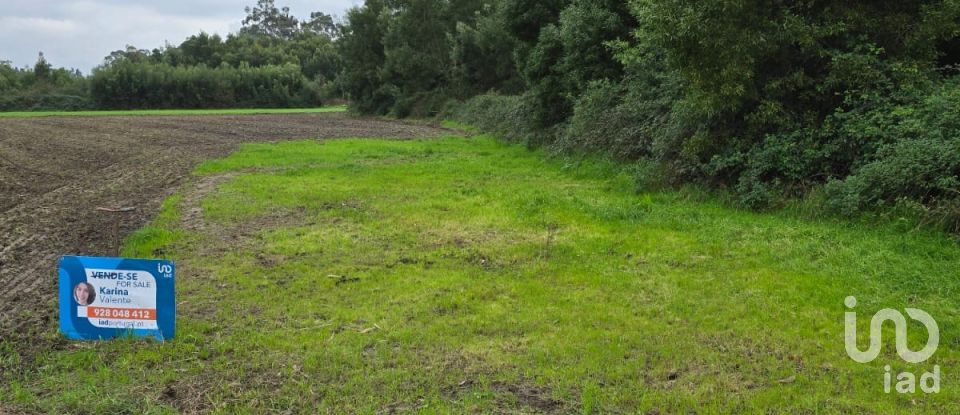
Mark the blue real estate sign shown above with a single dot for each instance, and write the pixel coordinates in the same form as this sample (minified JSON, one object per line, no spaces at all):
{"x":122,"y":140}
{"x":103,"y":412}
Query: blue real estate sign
{"x":102,"y":298}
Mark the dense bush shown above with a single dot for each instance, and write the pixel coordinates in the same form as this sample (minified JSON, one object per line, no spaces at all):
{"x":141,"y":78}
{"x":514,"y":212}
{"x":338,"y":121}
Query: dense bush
{"x":777,"y":97}
{"x":768,"y":100}
{"x":129,"y":84}
{"x":917,"y":156}
{"x":42,"y":88}
{"x":44,"y":102}
{"x":628,"y":120}
{"x":505,"y":115}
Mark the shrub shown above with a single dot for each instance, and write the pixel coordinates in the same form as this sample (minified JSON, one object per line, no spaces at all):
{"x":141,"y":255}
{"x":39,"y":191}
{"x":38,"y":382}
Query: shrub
{"x":129,"y":85}
{"x":505,"y":115}
{"x":917,"y":158}
{"x":627,"y":120}
{"x":44,"y":102}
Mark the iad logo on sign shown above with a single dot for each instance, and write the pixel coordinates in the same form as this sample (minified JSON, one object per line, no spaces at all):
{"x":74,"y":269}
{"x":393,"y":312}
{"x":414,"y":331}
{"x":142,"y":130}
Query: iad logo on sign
{"x":101,"y":298}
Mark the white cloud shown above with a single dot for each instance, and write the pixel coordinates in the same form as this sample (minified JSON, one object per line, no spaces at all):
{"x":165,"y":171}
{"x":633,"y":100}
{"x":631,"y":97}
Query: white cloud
{"x":29,"y":25}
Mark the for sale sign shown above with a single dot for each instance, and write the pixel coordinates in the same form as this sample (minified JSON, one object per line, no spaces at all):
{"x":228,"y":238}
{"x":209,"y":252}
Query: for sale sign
{"x":102,"y":298}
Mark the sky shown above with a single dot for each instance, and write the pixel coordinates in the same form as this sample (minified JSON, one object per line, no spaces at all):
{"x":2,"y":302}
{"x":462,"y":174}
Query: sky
{"x":80,"y":33}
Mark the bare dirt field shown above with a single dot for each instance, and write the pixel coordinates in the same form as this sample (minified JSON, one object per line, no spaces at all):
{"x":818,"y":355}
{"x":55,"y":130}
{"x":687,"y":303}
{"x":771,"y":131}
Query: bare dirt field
{"x":56,"y":171}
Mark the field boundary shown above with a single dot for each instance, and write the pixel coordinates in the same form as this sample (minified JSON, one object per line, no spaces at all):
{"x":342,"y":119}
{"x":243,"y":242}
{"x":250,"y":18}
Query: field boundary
{"x":173,"y":112}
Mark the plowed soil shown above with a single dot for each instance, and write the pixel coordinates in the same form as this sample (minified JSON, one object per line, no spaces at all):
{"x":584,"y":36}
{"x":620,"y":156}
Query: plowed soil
{"x":56,"y":171}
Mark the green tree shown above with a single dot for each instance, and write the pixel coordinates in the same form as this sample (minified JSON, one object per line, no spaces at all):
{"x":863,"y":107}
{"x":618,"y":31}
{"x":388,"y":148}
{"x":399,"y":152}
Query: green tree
{"x":321,"y":24}
{"x":267,"y":19}
{"x":201,"y":49}
{"x":526,"y":18}
{"x":362,"y":51}
{"x":416,"y":53}
{"x":8,"y":76}
{"x":42,"y":69}
{"x":481,"y":56}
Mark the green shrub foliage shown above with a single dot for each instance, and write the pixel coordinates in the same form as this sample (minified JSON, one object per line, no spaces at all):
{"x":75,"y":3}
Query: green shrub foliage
{"x":129,"y":84}
{"x":917,"y":155}
{"x":42,"y":88}
{"x":770,"y":100}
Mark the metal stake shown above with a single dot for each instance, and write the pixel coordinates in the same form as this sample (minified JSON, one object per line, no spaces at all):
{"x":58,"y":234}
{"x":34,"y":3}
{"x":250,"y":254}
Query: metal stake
{"x":117,"y":215}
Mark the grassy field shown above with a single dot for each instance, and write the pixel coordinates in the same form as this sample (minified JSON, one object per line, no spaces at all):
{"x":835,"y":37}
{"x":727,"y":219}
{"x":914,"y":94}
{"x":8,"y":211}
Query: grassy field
{"x":466,"y":275}
{"x":229,"y":111}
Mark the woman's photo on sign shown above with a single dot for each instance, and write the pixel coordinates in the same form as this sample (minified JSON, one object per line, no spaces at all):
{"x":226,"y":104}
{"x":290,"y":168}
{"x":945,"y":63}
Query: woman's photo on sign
{"x":84,"y":293}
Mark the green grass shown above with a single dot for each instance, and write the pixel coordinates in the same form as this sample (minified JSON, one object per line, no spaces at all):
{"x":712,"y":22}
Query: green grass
{"x":230,"y":111}
{"x":457,"y":125}
{"x":466,"y":275}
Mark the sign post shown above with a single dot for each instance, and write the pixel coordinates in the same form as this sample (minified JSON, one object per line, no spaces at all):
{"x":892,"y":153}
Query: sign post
{"x":116,"y":224}
{"x":102,"y":298}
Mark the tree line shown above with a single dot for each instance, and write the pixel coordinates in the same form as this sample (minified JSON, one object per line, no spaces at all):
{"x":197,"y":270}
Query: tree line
{"x":847,"y":106}
{"x":42,"y":87}
{"x":275,"y":60}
